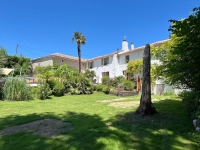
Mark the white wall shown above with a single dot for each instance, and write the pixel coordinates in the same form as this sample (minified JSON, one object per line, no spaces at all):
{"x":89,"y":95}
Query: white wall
{"x":111,"y":67}
{"x":136,"y":55}
{"x":116,"y":64}
{"x":71,"y":63}
{"x":46,"y":61}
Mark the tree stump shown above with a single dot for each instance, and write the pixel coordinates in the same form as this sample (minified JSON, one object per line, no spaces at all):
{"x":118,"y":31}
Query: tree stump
{"x":146,"y":107}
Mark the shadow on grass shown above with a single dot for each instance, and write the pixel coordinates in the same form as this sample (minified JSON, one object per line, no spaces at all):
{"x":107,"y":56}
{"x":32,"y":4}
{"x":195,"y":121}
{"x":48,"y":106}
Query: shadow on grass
{"x":167,"y":130}
{"x":90,"y":132}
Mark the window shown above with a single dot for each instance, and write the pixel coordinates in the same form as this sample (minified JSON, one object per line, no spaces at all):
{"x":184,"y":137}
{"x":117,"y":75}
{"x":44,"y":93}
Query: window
{"x":127,"y":58}
{"x":90,"y":65}
{"x":105,"y":61}
{"x":105,"y":74}
{"x":126,"y":75}
{"x":124,"y":72}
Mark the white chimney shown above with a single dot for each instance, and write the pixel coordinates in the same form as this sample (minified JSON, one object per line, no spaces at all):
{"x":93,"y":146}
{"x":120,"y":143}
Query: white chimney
{"x":124,"y":44}
{"x":132,"y":45}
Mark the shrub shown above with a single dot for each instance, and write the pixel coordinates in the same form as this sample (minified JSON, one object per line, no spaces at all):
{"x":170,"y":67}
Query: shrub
{"x":34,"y":91}
{"x":51,"y":83}
{"x":16,"y":89}
{"x":44,"y":91}
{"x":78,"y":84}
{"x":2,"y":82}
{"x":191,"y":101}
{"x":128,"y":85}
{"x":1,"y":92}
{"x":58,"y":89}
{"x":106,"y":89}
{"x":117,"y":81}
{"x":99,"y":87}
{"x":169,"y":93}
{"x":105,"y":80}
{"x":197,"y":116}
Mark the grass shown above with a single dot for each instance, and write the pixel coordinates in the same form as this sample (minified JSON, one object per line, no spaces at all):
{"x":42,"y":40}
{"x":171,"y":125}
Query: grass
{"x":99,"y":124}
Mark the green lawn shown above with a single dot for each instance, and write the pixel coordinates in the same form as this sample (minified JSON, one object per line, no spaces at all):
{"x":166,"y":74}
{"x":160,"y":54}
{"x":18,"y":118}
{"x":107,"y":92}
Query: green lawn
{"x":100,"y":121}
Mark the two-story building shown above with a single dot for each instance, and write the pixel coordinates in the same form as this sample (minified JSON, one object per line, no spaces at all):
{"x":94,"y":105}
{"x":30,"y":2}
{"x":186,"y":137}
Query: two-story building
{"x":115,"y":64}
{"x":112,"y":65}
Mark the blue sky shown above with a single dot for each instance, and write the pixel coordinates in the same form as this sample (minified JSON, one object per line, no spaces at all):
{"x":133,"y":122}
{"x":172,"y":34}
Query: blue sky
{"x":43,"y":27}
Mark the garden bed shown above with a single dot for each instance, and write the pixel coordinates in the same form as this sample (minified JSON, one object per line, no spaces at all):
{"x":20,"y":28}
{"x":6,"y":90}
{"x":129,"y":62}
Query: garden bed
{"x":124,"y":93}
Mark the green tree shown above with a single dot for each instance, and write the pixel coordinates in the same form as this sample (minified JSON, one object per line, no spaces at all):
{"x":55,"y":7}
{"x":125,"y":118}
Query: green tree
{"x":134,"y":67}
{"x":179,"y":57}
{"x":3,"y":57}
{"x":80,"y":40}
{"x":45,"y":72}
{"x":89,"y":74}
{"x":65,"y":72}
{"x":21,"y":65}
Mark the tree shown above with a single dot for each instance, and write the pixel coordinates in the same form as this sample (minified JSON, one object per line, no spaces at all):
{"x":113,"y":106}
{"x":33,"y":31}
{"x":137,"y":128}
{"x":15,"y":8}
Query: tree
{"x":80,"y":40}
{"x":146,"y":107}
{"x":179,"y":57}
{"x":65,"y":72}
{"x":3,"y":57}
{"x":134,"y":67}
{"x":45,"y":72}
{"x":55,"y":72}
{"x":89,"y":74}
{"x":21,"y":65}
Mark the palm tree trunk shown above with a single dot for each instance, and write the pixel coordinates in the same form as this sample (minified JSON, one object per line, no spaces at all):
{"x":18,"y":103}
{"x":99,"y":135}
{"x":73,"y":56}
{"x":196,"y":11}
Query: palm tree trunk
{"x":79,"y":57}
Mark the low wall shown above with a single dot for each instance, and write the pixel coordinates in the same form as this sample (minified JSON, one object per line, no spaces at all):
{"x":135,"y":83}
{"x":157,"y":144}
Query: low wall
{"x":123,"y":93}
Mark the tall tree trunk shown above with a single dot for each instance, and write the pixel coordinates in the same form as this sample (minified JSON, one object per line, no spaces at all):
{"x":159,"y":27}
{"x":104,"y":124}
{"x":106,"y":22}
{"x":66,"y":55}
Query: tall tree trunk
{"x":146,"y":107}
{"x":79,"y":57}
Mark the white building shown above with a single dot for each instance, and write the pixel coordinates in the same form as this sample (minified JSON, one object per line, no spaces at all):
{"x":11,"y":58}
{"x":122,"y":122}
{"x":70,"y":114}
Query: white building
{"x":115,"y":64}
{"x":60,"y":59}
{"x":112,"y":65}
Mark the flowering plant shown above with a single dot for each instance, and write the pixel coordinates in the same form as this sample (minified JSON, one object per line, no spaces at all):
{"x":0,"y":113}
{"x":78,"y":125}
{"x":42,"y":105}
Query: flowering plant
{"x":195,"y":125}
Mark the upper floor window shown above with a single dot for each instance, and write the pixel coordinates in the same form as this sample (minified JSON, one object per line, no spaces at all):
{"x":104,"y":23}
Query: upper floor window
{"x":127,"y":58}
{"x":90,"y":65}
{"x":105,"y":61}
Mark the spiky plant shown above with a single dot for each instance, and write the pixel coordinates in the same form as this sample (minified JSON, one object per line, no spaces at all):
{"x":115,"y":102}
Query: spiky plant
{"x":16,"y":89}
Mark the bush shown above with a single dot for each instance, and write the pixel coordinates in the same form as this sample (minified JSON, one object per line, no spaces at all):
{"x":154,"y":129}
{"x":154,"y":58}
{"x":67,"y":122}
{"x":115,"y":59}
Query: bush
{"x":128,"y":85}
{"x":34,"y":91}
{"x":168,"y":93}
{"x":16,"y":89}
{"x":78,"y":85}
{"x":197,"y":116}
{"x":44,"y":91}
{"x":2,"y":82}
{"x":117,"y":81}
{"x":58,"y":89}
{"x":1,"y":92}
{"x":51,"y":83}
{"x":191,"y":101}
{"x":105,"y":80}
{"x":106,"y":89}
{"x":99,"y":87}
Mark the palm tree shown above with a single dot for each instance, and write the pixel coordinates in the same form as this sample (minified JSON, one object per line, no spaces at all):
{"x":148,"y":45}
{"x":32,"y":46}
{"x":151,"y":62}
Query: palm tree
{"x":90,"y":74}
{"x":80,"y":40}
